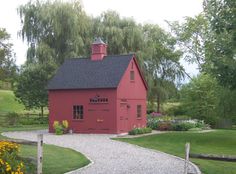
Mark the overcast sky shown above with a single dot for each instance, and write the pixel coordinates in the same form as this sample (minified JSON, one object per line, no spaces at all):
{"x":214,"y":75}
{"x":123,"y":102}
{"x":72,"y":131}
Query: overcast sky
{"x":143,"y":11}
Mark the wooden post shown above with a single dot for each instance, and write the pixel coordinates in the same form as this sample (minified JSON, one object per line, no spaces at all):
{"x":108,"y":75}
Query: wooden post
{"x":187,"y":149}
{"x":40,"y":154}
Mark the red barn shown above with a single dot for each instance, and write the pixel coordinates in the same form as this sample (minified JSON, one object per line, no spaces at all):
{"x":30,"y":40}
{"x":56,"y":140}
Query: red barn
{"x":101,"y":94}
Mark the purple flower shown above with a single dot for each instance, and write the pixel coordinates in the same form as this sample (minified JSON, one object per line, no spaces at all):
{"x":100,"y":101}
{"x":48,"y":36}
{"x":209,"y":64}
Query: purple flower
{"x":156,"y":114}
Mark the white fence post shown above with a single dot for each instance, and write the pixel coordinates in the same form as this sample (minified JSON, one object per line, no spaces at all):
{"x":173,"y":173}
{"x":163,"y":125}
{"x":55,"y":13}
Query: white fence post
{"x":187,"y":149}
{"x":40,"y":154}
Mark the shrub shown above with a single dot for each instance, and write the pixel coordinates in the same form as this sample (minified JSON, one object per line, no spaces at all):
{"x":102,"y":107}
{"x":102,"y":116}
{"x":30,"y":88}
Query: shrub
{"x":9,"y":160}
{"x":137,"y":131}
{"x":12,"y":118}
{"x":200,"y":124}
{"x":27,"y":120}
{"x":65,"y":124}
{"x":60,"y":128}
{"x":152,"y":122}
{"x":184,"y":126}
{"x":164,"y":126}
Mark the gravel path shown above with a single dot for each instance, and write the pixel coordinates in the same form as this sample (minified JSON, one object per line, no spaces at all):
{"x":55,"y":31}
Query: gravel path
{"x":112,"y":157}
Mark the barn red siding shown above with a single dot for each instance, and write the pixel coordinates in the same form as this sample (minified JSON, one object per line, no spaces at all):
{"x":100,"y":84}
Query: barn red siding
{"x":131,"y":93}
{"x":118,"y":115}
{"x":98,"y":118}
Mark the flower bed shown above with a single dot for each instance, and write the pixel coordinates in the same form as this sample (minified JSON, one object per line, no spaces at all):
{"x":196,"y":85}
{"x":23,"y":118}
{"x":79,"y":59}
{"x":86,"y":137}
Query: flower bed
{"x":166,"y":123}
{"x":10,"y":162}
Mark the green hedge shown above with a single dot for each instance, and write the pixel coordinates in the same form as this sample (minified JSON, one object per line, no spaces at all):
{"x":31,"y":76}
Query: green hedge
{"x":137,"y":131}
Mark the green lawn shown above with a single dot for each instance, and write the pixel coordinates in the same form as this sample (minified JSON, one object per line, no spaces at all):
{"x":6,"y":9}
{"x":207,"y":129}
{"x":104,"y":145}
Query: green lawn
{"x":56,"y":159}
{"x":8,"y":102}
{"x":217,"y":142}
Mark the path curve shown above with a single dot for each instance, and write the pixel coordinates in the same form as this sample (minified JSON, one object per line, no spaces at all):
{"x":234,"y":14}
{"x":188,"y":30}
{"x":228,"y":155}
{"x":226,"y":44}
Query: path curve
{"x":110,"y":156}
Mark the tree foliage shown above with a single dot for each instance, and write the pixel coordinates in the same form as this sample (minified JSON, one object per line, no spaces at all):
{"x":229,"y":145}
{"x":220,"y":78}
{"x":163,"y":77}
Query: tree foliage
{"x":59,"y":30}
{"x":161,"y":62}
{"x":191,"y":36}
{"x":221,"y":42}
{"x":60,"y":27}
{"x":204,"y":98}
{"x":7,"y":59}
{"x":31,"y":85}
{"x":200,"y":99}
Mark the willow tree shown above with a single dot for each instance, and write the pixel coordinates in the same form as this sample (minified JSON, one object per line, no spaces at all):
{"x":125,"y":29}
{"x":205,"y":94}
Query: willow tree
{"x":60,"y":27}
{"x":123,"y":35}
{"x":161,"y":60}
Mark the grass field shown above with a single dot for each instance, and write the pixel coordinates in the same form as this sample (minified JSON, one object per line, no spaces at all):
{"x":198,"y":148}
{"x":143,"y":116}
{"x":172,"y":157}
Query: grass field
{"x":8,"y":102}
{"x":217,"y":142}
{"x":56,"y":159}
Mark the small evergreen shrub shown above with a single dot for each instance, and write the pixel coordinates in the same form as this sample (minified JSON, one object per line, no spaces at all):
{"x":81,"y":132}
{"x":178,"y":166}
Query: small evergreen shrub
{"x":137,"y":131}
{"x":184,"y":126}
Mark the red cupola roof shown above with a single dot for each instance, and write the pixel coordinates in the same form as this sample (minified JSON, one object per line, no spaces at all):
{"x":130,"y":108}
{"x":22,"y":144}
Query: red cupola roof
{"x":99,"y":49}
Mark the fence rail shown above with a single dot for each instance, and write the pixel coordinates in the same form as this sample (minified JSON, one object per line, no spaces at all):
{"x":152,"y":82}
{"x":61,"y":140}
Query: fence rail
{"x":39,"y":144}
{"x":214,"y":157}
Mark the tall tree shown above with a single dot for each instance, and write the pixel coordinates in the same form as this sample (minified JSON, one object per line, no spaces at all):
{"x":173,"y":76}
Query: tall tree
{"x":221,"y":43}
{"x":60,"y":27}
{"x":122,"y":34}
{"x":191,"y":36}
{"x":200,"y":98}
{"x":161,"y":61}
{"x":7,"y":58}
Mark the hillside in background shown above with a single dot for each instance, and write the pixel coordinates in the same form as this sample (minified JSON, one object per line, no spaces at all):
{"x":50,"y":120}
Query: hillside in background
{"x":8,"y":102}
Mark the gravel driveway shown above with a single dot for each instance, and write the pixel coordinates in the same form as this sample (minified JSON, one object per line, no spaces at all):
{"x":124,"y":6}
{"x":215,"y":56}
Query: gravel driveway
{"x":112,"y":157}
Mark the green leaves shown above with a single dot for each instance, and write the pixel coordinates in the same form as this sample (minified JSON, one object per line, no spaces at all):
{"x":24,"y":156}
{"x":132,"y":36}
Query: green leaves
{"x":31,"y":85}
{"x":7,"y":58}
{"x":221,"y":43}
{"x":61,"y":28}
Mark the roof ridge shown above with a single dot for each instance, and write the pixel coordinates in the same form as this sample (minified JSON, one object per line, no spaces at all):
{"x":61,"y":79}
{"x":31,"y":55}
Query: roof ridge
{"x":77,"y":58}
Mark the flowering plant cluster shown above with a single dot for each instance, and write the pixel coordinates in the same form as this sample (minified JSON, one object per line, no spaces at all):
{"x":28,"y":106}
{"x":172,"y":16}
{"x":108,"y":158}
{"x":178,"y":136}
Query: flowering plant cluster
{"x":9,"y":160}
{"x":156,"y":114}
{"x":60,"y":128}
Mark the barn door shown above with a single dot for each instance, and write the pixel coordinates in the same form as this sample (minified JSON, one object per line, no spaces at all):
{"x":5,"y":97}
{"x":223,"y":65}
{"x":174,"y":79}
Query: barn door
{"x":102,"y":121}
{"x":124,"y":120}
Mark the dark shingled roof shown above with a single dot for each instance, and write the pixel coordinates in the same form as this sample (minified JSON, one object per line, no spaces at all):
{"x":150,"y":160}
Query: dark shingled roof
{"x":83,"y":73}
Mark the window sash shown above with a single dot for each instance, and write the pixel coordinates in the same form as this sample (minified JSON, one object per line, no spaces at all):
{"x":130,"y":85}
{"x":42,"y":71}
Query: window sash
{"x":131,"y":75}
{"x":78,"y":112}
{"x":139,"y":111}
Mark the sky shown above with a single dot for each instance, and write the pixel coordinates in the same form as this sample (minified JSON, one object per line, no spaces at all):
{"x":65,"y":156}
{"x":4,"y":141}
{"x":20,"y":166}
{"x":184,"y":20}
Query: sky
{"x":142,"y":11}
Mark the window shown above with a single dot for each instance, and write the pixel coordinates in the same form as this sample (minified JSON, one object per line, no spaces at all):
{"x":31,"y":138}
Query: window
{"x":78,"y":112}
{"x":139,"y":111}
{"x":131,"y":75}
